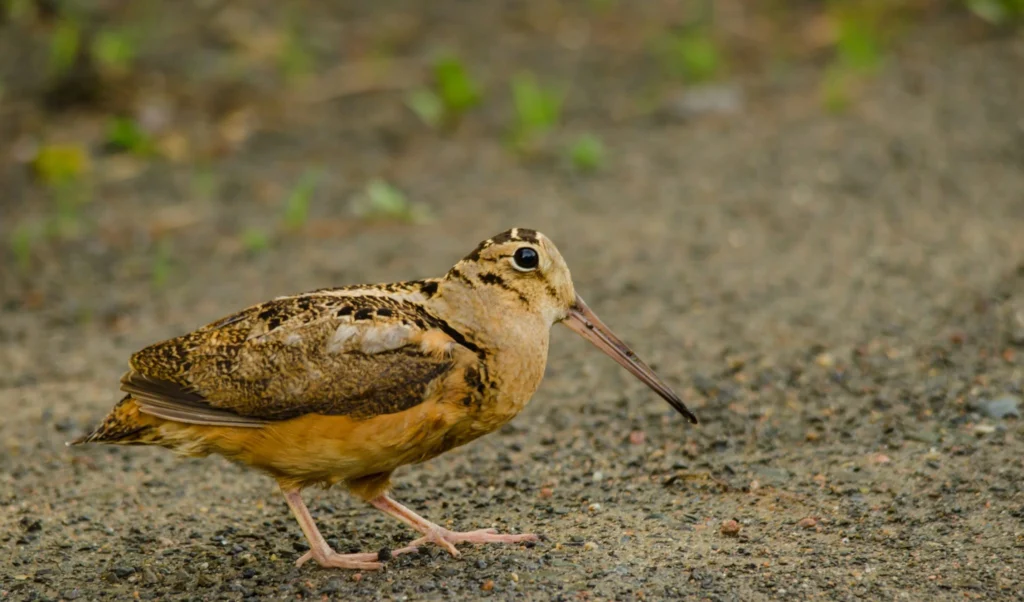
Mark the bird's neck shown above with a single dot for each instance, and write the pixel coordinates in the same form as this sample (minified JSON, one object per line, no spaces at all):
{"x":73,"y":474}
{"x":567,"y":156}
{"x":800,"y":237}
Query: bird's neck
{"x":488,"y":317}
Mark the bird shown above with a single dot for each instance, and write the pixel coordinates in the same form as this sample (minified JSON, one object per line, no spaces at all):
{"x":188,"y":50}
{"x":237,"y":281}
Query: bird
{"x":346,"y":385}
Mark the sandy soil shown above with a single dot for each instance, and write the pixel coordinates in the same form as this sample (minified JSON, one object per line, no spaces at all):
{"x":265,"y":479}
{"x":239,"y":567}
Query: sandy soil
{"x":840,"y":298}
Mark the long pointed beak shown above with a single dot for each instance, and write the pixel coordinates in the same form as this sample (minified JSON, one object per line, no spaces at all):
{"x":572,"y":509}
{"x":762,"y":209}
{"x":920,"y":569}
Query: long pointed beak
{"x":584,"y":322}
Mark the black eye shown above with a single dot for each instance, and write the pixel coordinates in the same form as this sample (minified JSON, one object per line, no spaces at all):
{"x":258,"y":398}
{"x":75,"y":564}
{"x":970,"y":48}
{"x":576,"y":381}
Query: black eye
{"x":525,"y":259}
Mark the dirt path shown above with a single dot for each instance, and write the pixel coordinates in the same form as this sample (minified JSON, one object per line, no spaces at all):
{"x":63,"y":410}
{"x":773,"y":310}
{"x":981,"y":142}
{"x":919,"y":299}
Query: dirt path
{"x":840,"y":298}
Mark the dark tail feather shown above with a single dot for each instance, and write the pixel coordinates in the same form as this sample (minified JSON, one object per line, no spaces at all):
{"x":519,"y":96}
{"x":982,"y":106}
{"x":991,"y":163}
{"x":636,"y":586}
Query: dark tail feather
{"x":100,"y":436}
{"x":118,"y":427}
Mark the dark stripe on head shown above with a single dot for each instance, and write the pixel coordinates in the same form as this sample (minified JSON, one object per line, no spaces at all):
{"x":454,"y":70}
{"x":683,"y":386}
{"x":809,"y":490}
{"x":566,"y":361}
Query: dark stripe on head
{"x":513,"y":235}
{"x":489,"y":278}
{"x":474,"y":255}
{"x":496,"y":280}
{"x":527,"y":235}
{"x":457,"y":274}
{"x":505,"y":236}
{"x":516,"y":234}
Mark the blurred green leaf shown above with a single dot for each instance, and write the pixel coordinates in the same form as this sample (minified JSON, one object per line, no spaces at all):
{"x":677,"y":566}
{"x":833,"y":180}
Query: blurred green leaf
{"x":64,"y":45}
{"x":296,"y":209}
{"x":692,"y":54}
{"x":60,"y":164}
{"x":23,"y":240}
{"x":205,"y":183}
{"x":835,"y":89}
{"x":126,"y":134}
{"x":381,"y":200}
{"x":162,"y":266}
{"x":997,"y":12}
{"x":455,"y":86}
{"x":427,"y":105}
{"x":859,"y":43}
{"x":587,"y":153}
{"x":114,"y":50}
{"x":255,"y":240}
{"x":20,"y":10}
{"x":538,"y":109}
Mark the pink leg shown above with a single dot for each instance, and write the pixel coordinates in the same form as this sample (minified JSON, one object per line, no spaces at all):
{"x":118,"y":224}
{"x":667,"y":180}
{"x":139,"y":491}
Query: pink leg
{"x":321,"y":552}
{"x":437,"y":534}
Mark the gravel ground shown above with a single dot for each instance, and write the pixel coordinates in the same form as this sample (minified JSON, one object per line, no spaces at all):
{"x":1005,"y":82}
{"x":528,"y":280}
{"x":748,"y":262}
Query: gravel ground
{"x":840,"y":298}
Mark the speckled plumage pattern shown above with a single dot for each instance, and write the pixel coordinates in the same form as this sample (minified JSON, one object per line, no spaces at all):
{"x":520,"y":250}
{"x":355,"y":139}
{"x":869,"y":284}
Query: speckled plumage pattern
{"x":348,"y":384}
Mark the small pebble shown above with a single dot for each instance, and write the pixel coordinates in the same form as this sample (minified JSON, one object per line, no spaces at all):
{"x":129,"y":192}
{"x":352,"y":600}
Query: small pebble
{"x":546,"y":492}
{"x":880,"y":459}
{"x":807,"y":523}
{"x":590,"y":546}
{"x":595,"y":507}
{"x":637,"y":438}
{"x":730,"y":528}
{"x":488,"y":585}
{"x":515,"y":577}
{"x":703,"y":100}
{"x":1007,"y":406}
{"x":122,"y":571}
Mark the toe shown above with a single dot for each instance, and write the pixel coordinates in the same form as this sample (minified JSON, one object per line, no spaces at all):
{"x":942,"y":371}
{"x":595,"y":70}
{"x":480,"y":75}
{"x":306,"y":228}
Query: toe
{"x":409,"y":549}
{"x":304,"y":558}
{"x":344,"y":562}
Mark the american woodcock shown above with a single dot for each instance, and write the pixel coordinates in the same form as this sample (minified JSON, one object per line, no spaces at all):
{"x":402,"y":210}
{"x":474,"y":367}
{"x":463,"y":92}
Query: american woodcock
{"x":345,"y":385}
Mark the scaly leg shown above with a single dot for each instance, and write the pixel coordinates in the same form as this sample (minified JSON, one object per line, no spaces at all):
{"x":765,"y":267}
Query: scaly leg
{"x":437,"y":534}
{"x":318,"y":548}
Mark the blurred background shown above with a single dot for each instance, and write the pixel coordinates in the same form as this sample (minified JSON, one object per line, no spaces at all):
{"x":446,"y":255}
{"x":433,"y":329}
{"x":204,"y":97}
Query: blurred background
{"x":338,"y":104}
{"x":806,"y":215}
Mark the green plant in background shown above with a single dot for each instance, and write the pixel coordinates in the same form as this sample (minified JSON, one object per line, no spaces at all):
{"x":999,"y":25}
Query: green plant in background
{"x":255,"y":240}
{"x":125,"y":134}
{"x":457,"y":89}
{"x":997,"y":12}
{"x":859,"y":39}
{"x":162,"y":263}
{"x":538,"y":110}
{"x":295,"y":59}
{"x":296,"y":207}
{"x":23,"y":241}
{"x":692,"y":54}
{"x":835,"y":89}
{"x":427,"y":105}
{"x":114,"y":50}
{"x":454,"y":93}
{"x":64,"y":45}
{"x":62,"y":168}
{"x":601,"y":6}
{"x":205,"y":183}
{"x":19,"y":10}
{"x":59,"y":164}
{"x":381,"y":200}
{"x":861,"y":28}
{"x":587,"y":153}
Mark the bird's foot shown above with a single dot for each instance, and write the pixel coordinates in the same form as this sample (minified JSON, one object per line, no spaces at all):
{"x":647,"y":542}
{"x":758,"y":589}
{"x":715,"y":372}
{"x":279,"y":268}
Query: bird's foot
{"x":447,"y":539}
{"x":369,"y":561}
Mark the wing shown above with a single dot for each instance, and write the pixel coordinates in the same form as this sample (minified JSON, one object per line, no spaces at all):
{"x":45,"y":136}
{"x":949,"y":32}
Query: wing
{"x":338,"y":354}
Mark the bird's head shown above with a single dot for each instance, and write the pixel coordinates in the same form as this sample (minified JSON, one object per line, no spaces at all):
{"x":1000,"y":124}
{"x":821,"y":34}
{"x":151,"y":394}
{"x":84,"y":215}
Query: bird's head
{"x":521,"y":270}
